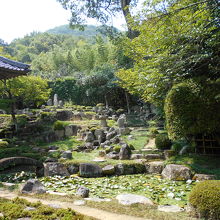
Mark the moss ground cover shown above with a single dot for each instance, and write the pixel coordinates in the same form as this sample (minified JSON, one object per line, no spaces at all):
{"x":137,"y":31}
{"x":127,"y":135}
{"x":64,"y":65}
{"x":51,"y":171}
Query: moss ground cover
{"x":14,"y":209}
{"x":161,"y":191}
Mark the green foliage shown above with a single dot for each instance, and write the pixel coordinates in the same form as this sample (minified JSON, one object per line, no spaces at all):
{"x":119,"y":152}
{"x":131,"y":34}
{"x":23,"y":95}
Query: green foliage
{"x":162,"y":141}
{"x":117,"y":148}
{"x":30,"y":90}
{"x":14,"y":209}
{"x":21,"y":120}
{"x":205,"y":198}
{"x":47,"y":116}
{"x":5,"y":104}
{"x":3,"y":144}
{"x":182,"y":42}
{"x":192,"y":108}
{"x":60,"y":125}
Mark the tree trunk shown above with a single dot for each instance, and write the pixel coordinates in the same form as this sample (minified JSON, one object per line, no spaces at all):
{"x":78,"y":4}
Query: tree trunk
{"x":127,"y":15}
{"x":127,"y":102}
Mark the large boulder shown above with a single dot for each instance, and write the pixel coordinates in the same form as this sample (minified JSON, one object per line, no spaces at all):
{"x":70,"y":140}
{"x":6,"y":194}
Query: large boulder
{"x":176,"y":172}
{"x":71,"y":130}
{"x":130,"y":199}
{"x":125,"y":152}
{"x":82,"y":192}
{"x":67,"y":155}
{"x":90,"y":170}
{"x":60,"y":134}
{"x":52,"y":169}
{"x":155,"y":167}
{"x":73,"y":168}
{"x":33,"y":186}
{"x":89,"y":137}
{"x":64,"y":115}
{"x":202,"y":177}
{"x":108,"y":170}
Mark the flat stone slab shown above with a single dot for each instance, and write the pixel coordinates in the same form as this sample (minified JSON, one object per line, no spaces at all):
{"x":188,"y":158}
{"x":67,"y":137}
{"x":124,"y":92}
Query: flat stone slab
{"x":79,"y":202}
{"x":129,"y":199}
{"x":98,"y":199}
{"x":99,"y":160}
{"x":57,"y":193}
{"x":55,"y":206}
{"x":169,"y":208}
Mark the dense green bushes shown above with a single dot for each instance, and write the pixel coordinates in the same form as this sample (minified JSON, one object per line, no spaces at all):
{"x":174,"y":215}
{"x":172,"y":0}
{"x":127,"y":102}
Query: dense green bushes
{"x":205,"y":198}
{"x":192,"y":108}
{"x":162,"y":141}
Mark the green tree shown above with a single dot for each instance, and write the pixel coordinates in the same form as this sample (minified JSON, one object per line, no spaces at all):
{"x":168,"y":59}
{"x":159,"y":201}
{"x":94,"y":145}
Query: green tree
{"x":98,"y":9}
{"x":177,"y":40}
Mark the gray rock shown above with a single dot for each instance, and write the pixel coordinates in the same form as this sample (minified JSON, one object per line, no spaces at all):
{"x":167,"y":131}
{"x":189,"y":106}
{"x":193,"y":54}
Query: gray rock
{"x":137,"y":156}
{"x":155,"y":167}
{"x":89,"y":145}
{"x":33,"y":186}
{"x":67,"y":154}
{"x":98,"y":133}
{"x":53,"y":147}
{"x":129,"y":199}
{"x":1,"y":215}
{"x":77,"y":117}
{"x":112,"y":155}
{"x":55,"y":100}
{"x":153,"y":156}
{"x":29,"y":209}
{"x":89,"y":137}
{"x":79,"y":202}
{"x":125,"y":152}
{"x":124,"y":169}
{"x":60,"y":103}
{"x":121,"y":122}
{"x":55,"y":206}
{"x":103,"y":121}
{"x":64,"y":115}
{"x":73,"y":168}
{"x":176,"y":172}
{"x":60,"y":134}
{"x":202,"y":177}
{"x":108,"y":170}
{"x":98,"y":199}
{"x":111,"y":135}
{"x":71,"y":130}
{"x":124,"y":131}
{"x":51,"y":169}
{"x":169,"y":208}
{"x":25,"y":218}
{"x":82,"y":192}
{"x":89,"y":170}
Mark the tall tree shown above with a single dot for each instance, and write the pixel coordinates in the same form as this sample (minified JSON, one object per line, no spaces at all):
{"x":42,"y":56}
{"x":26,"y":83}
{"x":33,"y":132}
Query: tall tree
{"x":102,"y":10}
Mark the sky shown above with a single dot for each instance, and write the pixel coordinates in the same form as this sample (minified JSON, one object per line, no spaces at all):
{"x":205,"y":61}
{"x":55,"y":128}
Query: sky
{"x":21,"y":17}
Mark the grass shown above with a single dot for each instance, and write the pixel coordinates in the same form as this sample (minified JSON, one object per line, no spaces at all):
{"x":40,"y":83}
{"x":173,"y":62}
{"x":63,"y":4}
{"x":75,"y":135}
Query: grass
{"x":139,"y":140}
{"x":14,"y":209}
{"x":198,"y":163}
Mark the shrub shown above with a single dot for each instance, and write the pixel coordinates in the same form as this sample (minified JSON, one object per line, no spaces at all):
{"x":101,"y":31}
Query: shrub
{"x":60,"y":125}
{"x":192,"y":108}
{"x":21,"y":120}
{"x":205,"y":198}
{"x":176,"y":147}
{"x":153,"y":131}
{"x":47,"y":116}
{"x":117,"y":148}
{"x":3,"y":144}
{"x":162,"y":141}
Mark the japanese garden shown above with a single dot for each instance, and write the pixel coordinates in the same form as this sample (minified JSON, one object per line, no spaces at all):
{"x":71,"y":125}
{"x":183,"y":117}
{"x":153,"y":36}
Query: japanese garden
{"x":99,"y":123}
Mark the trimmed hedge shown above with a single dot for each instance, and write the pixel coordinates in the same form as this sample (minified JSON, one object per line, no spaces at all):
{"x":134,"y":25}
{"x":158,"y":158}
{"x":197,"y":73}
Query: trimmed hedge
{"x":205,"y":198}
{"x":162,"y":142}
{"x":192,"y":108}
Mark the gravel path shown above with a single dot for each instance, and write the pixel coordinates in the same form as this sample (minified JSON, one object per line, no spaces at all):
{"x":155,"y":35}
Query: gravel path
{"x":85,"y":210}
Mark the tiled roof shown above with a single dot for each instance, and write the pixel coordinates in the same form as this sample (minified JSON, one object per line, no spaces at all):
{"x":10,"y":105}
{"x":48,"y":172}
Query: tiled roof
{"x":10,"y":68}
{"x":13,"y":65}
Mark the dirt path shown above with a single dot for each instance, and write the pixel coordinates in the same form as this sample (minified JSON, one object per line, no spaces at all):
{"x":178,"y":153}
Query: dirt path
{"x":85,"y":210}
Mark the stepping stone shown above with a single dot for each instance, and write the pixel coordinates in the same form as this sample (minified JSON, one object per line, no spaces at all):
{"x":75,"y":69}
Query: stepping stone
{"x":98,"y":199}
{"x":169,"y":208}
{"x":55,"y":206}
{"x":129,"y":199}
{"x":30,"y":209}
{"x":57,"y":193}
{"x":79,"y":202}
